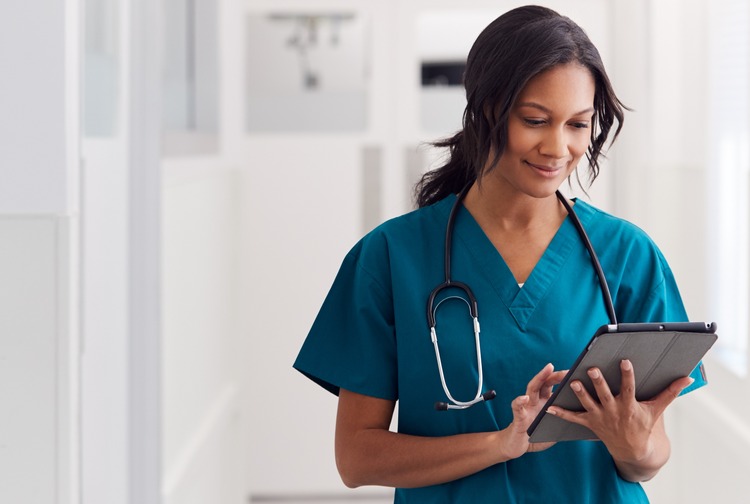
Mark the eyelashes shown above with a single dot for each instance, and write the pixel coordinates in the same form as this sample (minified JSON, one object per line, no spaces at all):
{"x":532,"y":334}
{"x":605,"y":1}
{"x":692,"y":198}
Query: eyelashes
{"x":535,"y":123}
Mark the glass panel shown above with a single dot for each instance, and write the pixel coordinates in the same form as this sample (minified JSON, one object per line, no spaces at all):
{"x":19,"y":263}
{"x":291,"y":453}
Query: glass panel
{"x":101,"y":68}
{"x":729,"y":178}
{"x":191,"y":80}
{"x":443,"y":42}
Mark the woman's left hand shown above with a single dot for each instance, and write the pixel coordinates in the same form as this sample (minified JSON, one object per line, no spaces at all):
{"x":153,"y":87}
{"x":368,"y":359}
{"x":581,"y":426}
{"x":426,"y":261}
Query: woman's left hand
{"x":625,"y":425}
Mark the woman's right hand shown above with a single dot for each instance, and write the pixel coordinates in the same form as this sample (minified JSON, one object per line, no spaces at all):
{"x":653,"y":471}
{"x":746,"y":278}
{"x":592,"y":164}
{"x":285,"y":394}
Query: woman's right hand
{"x":367,"y":453}
{"x":526,"y":408}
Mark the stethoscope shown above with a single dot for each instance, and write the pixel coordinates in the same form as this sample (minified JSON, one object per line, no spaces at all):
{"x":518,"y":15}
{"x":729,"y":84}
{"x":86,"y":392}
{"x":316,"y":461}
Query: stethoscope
{"x":472,"y":302}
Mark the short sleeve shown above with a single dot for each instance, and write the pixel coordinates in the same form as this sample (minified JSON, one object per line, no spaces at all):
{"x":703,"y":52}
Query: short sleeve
{"x":351,"y":344}
{"x":664,"y":304}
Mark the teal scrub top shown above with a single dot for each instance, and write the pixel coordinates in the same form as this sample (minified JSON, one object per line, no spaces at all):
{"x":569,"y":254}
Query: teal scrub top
{"x":371,"y":336}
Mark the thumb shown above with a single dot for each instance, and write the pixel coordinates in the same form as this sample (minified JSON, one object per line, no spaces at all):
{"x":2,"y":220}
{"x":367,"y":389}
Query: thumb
{"x":669,"y":394}
{"x":520,"y":411}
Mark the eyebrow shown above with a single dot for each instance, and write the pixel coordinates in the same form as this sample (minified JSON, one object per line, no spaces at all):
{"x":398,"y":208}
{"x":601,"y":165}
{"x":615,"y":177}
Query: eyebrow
{"x":548,"y":111}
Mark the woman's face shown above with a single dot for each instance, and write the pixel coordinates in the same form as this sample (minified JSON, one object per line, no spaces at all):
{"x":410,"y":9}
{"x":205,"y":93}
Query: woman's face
{"x":549,"y":129}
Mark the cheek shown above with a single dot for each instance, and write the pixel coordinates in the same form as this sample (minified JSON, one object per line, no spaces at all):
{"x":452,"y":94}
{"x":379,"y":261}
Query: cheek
{"x":521,"y":140}
{"x":579,"y":146}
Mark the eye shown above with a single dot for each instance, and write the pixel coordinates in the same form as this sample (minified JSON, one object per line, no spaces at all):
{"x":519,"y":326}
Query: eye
{"x":580,"y":125}
{"x":533,"y":122}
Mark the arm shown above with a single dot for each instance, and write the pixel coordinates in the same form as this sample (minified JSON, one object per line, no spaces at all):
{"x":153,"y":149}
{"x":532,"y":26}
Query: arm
{"x":632,"y":431}
{"x":367,"y":453}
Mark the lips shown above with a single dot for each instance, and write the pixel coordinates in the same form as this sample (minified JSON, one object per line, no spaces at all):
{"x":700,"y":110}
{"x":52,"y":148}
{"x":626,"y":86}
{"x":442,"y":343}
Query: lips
{"x":544,"y":170}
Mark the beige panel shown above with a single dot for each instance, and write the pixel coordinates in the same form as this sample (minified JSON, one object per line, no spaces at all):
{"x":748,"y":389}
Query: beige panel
{"x":29,"y":307}
{"x":372,"y":187}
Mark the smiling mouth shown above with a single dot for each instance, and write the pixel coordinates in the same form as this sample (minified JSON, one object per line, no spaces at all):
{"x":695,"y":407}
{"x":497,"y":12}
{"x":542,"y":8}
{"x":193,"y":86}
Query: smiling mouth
{"x":546,"y":171}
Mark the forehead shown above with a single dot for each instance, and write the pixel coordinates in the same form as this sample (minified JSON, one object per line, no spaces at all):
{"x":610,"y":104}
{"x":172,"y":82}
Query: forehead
{"x":564,"y":88}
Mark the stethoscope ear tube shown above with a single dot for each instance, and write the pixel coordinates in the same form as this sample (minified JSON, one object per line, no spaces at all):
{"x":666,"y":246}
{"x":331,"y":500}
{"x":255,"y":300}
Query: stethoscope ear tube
{"x":594,"y":259}
{"x":432,"y":307}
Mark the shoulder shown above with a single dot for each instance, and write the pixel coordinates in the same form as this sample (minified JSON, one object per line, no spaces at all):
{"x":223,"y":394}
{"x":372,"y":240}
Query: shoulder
{"x":627,"y":253}
{"x":410,"y":233}
{"x":615,"y":234}
{"x":605,"y":222}
{"x":642,"y":283}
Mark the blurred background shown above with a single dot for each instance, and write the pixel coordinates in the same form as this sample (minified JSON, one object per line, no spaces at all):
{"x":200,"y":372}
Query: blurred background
{"x":180,"y":180}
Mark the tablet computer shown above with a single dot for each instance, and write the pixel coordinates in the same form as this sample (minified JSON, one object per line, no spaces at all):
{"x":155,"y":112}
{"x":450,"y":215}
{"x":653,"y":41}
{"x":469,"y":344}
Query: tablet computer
{"x":660,"y":352}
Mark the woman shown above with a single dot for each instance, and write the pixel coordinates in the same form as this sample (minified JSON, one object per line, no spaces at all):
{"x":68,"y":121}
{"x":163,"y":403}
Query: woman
{"x":538,"y":101}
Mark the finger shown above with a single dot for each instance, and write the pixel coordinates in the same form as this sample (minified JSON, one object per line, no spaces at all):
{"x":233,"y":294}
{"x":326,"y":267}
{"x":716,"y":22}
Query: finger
{"x":537,"y":447}
{"x":537,"y":383}
{"x":665,"y":398}
{"x":519,"y":405}
{"x":588,"y":403}
{"x":520,"y":411}
{"x":570,"y":416}
{"x":554,"y":379}
{"x":603,"y":392}
{"x":627,"y":384}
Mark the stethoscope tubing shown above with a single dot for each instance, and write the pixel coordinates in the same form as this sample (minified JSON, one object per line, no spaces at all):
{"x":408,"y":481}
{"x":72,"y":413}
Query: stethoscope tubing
{"x":607,"y":296}
{"x":455,"y":403}
{"x":473,"y":306}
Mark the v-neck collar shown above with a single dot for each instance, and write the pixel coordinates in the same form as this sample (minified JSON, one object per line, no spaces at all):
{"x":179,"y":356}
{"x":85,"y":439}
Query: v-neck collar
{"x":521,"y":302}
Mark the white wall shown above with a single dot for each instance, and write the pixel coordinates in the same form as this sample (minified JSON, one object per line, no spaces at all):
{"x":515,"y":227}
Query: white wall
{"x":38,"y":359}
{"x":202,"y":430}
{"x":105,"y":321}
{"x":39,"y":345}
{"x":105,"y":237}
{"x":39,"y":103}
{"x":120,"y":243}
{"x":302,"y":208}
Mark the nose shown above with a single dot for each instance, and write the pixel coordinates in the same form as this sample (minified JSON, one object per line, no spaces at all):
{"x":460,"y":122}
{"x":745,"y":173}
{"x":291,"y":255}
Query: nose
{"x":554,"y":144}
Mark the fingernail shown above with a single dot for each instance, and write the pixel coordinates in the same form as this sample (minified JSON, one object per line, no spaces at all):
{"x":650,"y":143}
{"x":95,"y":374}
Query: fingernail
{"x":576,"y":386}
{"x":594,"y":373}
{"x":552,"y":411}
{"x":627,"y":365}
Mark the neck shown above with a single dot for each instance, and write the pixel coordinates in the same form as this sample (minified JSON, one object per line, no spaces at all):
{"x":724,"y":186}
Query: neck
{"x":511,"y":210}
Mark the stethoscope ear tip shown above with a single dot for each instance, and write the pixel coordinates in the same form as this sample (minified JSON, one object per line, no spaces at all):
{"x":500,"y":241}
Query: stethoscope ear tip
{"x":441,"y":406}
{"x":488,"y":396}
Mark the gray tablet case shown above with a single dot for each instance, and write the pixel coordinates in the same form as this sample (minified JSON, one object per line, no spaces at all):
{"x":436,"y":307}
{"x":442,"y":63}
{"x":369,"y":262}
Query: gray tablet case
{"x":660,"y":352}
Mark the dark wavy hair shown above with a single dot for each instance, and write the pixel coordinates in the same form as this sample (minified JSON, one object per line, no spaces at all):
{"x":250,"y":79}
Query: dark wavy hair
{"x":509,"y":52}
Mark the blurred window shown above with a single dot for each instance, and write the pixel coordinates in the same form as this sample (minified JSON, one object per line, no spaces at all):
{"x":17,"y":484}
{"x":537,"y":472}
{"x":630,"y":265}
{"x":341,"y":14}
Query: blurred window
{"x":101,"y":66}
{"x":728,"y":179}
{"x":191,"y":77}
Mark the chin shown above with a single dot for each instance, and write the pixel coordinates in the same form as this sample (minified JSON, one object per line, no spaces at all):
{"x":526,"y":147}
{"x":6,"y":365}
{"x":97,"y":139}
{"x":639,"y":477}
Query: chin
{"x":539,"y":192}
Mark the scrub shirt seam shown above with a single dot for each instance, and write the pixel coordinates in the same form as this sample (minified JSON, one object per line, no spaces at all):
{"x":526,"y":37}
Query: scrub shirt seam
{"x":368,"y":390}
{"x":372,"y":277}
{"x":358,"y":263}
{"x":486,"y":269}
{"x":652,"y":294}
